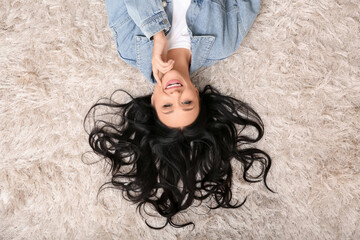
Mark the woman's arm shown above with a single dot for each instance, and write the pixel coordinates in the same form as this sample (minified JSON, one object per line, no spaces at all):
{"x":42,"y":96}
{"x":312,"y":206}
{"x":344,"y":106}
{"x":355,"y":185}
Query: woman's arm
{"x":152,"y":19}
{"x":159,"y":61}
{"x":148,"y":15}
{"x":132,"y":18}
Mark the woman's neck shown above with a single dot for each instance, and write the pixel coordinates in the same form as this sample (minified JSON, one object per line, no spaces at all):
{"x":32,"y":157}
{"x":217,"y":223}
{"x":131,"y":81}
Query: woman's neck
{"x":182,"y":58}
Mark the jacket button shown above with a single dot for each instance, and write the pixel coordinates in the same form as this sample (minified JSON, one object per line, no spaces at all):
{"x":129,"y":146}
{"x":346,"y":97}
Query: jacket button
{"x":164,"y":3}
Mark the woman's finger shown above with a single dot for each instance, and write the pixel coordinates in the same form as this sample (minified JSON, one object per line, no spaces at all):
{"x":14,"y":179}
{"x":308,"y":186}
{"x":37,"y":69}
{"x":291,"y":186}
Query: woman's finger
{"x":156,"y":75}
{"x":163,"y":64}
{"x":164,"y":68}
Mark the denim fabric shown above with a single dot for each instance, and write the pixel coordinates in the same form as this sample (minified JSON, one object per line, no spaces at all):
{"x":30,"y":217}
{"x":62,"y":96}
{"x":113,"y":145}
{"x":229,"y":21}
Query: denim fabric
{"x":216,"y":28}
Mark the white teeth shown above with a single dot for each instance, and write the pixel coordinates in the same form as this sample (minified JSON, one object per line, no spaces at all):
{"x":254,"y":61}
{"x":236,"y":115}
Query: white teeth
{"x":174,"y":85}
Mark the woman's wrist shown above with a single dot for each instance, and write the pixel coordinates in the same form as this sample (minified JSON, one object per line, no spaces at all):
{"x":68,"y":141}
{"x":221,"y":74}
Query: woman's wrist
{"x":159,"y":35}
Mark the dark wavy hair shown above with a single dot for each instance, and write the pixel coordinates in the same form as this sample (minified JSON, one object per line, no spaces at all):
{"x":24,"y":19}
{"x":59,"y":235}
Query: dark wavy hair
{"x":171,"y":168}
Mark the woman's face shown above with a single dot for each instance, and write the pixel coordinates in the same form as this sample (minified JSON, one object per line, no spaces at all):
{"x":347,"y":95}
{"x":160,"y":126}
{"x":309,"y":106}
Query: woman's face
{"x":176,"y":100}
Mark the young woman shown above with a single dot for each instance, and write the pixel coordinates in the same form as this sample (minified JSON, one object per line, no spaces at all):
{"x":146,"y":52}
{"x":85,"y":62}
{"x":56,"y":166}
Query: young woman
{"x":174,"y":147}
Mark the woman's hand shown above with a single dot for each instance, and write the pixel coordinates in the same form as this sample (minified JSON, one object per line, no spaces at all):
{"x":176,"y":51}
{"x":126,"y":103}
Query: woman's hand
{"x":159,"y":61}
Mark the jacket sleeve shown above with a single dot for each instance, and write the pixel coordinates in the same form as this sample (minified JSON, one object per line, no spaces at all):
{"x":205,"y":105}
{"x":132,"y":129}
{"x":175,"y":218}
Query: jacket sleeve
{"x":148,"y":15}
{"x":248,"y":10}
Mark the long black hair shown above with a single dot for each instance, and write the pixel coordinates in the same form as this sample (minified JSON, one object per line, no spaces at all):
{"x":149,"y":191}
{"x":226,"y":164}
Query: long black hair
{"x":171,"y":168}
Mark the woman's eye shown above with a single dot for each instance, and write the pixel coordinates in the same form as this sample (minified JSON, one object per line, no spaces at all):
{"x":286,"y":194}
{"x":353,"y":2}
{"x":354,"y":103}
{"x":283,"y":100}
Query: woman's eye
{"x":187,"y":102}
{"x":167,"y":105}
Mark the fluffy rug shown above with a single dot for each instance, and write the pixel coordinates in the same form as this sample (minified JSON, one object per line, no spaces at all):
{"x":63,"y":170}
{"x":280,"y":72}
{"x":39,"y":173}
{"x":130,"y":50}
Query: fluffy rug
{"x":299,"y":67}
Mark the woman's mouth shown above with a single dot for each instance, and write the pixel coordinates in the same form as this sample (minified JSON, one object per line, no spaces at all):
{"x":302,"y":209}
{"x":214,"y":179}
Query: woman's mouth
{"x":173,"y":84}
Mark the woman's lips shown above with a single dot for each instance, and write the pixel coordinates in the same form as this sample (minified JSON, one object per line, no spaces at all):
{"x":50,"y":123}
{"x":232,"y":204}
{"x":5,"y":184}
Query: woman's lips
{"x":173,"y":84}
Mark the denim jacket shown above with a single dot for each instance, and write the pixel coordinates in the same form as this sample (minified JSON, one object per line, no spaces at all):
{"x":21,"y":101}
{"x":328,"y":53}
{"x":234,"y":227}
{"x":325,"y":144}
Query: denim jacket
{"x":216,"y":28}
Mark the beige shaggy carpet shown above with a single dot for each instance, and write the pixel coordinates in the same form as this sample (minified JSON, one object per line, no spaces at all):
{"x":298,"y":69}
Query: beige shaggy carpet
{"x":299,"y":67}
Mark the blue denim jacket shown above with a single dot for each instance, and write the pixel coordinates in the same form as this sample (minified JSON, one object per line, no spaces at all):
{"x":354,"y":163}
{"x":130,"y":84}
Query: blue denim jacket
{"x":216,"y":28}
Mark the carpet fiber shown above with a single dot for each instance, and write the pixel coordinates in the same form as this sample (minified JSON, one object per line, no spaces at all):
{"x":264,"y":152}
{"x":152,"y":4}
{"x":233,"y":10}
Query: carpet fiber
{"x":299,"y":67}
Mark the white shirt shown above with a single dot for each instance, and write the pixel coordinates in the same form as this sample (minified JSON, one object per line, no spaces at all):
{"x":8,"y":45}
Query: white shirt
{"x":179,"y":37}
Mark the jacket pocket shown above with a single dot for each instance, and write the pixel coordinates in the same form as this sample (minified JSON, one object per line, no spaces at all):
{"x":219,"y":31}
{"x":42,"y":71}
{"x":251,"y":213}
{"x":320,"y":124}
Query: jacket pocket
{"x":144,"y":49}
{"x":125,"y":39}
